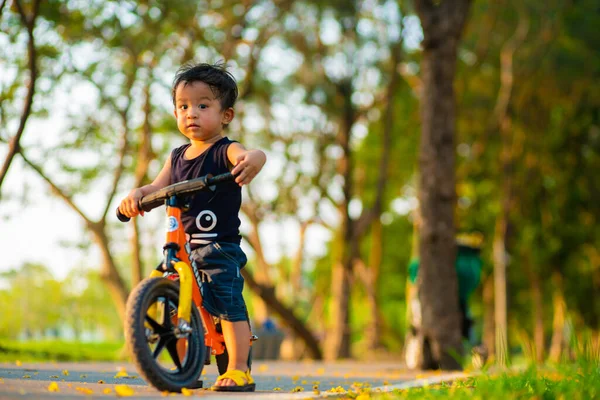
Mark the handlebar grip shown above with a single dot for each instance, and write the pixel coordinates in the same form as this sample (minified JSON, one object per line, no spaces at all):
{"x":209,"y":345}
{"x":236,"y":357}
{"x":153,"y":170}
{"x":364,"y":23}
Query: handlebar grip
{"x":226,"y":177}
{"x":121,"y":217}
{"x":153,"y":200}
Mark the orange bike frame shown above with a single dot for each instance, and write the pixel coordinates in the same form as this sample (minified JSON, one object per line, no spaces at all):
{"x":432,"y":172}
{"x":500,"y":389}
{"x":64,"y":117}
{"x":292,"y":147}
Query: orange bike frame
{"x":189,"y":289}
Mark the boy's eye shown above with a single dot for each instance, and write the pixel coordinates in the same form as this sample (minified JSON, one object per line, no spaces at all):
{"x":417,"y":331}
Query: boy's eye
{"x":183,"y":107}
{"x":203,"y":106}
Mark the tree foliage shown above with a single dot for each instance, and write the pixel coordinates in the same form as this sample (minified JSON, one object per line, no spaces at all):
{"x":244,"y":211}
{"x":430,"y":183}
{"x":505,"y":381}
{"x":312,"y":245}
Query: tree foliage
{"x":331,"y":91}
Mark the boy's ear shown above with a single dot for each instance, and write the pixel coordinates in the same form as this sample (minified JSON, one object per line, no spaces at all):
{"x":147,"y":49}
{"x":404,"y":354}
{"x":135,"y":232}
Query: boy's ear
{"x":227,"y":116}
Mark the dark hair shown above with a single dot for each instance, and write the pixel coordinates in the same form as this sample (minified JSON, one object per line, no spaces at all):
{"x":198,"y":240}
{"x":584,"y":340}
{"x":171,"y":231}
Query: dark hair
{"x":221,"y":82}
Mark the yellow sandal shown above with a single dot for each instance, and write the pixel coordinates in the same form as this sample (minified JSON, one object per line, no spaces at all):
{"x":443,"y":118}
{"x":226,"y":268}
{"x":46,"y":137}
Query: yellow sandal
{"x":243,"y":382}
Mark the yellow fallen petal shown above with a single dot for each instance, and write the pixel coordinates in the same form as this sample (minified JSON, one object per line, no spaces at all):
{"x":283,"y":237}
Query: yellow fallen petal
{"x":84,"y":390}
{"x":277,"y":389}
{"x":54,"y":376}
{"x":18,"y":363}
{"x":83,"y":376}
{"x":186,"y":392}
{"x":53,"y":387}
{"x":121,"y":374}
{"x":107,"y":391}
{"x":297,"y":389}
{"x":26,"y":376}
{"x":100,"y":381}
{"x":124,"y":391}
{"x":65,"y":372}
{"x":263,"y":367}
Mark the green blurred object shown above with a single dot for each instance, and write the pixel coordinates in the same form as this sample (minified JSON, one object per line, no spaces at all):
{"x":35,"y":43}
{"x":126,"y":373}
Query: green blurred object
{"x":468,"y":270}
{"x":59,"y":350}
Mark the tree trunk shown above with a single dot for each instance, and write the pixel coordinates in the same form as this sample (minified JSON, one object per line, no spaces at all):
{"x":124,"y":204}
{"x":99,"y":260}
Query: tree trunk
{"x":503,"y":120}
{"x":109,"y":273}
{"x":500,"y":318}
{"x":338,"y":336}
{"x":558,"y":323}
{"x":373,"y":332}
{"x":337,"y":344}
{"x":538,"y":317}
{"x":267,"y":294}
{"x":136,"y":259}
{"x":144,"y":156}
{"x":14,"y":143}
{"x":489,"y":327}
{"x":437,"y":282}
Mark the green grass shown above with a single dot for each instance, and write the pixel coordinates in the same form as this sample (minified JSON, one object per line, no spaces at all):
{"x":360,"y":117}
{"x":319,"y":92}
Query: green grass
{"x":568,"y":381}
{"x":55,"y":350}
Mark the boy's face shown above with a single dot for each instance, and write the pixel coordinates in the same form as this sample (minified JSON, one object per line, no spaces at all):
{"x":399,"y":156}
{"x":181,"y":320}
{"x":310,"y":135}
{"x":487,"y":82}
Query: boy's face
{"x":198,"y":111}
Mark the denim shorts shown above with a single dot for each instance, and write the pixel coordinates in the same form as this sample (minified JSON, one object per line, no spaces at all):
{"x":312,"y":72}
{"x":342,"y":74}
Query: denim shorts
{"x":219,"y":265}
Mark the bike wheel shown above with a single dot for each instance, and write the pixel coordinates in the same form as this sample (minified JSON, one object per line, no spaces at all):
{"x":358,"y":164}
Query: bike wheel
{"x":149,"y":335}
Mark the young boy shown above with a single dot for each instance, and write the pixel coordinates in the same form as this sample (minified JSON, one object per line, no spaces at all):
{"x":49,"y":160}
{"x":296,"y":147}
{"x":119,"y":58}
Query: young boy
{"x":203,"y":96}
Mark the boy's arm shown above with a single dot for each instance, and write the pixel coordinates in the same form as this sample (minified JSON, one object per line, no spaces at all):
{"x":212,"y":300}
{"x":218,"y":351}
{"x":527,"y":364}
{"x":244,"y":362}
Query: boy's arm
{"x":248,"y":163}
{"x":128,"y":205}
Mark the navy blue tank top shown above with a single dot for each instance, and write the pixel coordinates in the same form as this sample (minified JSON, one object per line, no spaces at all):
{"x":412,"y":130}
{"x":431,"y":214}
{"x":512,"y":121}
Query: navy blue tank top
{"x":213,"y":215}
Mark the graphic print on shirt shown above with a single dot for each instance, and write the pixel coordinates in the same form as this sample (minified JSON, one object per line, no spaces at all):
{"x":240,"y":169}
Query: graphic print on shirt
{"x":205,"y":222}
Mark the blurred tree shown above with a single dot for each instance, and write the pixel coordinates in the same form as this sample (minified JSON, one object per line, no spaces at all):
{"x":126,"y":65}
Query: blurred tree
{"x":79,"y":303}
{"x":442,"y":24}
{"x":138,"y":62}
{"x":27,"y":14}
{"x":32,"y":316}
{"x":549,"y":77}
{"x":349,"y":74}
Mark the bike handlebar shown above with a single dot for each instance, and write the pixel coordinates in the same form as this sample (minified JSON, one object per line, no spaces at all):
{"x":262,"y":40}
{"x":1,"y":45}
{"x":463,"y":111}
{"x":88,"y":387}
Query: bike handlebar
{"x":185,"y":188}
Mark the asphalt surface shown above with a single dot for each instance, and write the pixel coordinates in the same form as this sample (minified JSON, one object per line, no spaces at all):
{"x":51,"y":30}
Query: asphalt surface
{"x":274,"y":380}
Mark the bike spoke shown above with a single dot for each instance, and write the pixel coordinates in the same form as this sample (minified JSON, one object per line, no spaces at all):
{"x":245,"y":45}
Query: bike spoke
{"x":158,"y":328}
{"x":172,"y":348}
{"x":167,"y":316}
{"x":159,"y":347}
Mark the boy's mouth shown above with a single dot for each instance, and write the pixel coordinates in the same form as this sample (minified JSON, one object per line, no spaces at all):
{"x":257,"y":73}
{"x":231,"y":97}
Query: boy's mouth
{"x":193,"y":126}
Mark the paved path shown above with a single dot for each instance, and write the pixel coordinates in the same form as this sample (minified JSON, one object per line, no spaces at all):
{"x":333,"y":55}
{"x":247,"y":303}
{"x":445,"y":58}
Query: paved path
{"x":275,"y":380}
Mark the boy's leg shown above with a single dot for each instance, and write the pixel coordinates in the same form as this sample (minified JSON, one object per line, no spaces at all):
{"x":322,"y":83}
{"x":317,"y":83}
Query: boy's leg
{"x":237,"y":340}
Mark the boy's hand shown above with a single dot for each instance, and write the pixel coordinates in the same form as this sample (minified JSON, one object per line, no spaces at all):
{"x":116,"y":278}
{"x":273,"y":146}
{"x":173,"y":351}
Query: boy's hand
{"x":128,"y":206}
{"x":248,"y":165}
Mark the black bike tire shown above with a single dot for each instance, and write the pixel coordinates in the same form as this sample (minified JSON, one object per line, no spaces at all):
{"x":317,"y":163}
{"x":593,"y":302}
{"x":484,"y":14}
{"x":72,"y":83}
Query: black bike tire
{"x":135,"y":336}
